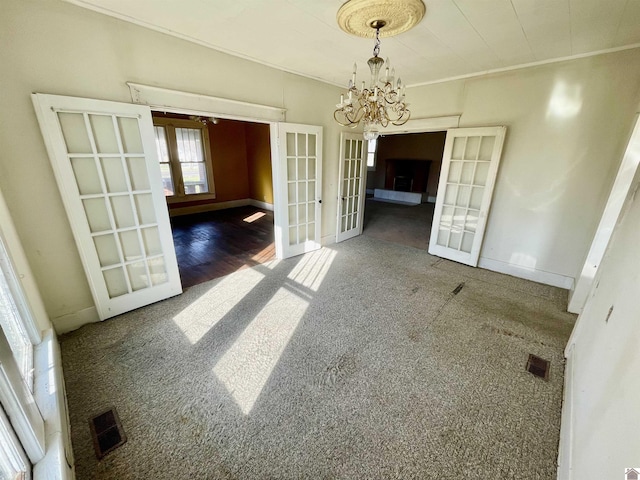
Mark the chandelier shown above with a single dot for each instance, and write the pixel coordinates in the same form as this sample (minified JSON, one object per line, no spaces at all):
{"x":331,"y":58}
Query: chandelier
{"x":383,"y":101}
{"x":379,"y":104}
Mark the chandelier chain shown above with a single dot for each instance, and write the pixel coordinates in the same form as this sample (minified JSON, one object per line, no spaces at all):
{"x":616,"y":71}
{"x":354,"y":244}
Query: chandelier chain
{"x":376,"y":47}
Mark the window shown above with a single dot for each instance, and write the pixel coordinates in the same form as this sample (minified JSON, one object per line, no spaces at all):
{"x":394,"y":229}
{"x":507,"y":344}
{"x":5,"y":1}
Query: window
{"x":185,"y":158}
{"x":11,"y":314}
{"x":371,"y":154}
{"x":21,"y":424}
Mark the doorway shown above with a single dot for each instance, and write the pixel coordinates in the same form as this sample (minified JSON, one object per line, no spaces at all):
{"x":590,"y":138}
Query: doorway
{"x":218,"y":185}
{"x":404,"y":164}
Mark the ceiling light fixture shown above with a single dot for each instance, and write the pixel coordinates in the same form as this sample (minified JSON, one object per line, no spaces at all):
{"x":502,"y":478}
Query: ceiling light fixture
{"x":383,"y":102}
{"x":204,"y":120}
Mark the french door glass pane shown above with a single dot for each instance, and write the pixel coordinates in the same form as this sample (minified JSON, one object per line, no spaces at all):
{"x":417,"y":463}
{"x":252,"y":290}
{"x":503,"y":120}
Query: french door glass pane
{"x":301,"y":186}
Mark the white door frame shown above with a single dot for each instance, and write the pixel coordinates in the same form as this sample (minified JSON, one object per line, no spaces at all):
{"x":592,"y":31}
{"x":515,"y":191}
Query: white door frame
{"x":176,"y":101}
{"x":619,"y":190}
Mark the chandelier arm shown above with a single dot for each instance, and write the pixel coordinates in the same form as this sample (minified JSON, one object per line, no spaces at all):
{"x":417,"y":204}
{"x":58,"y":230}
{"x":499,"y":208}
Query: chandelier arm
{"x":344,"y":124}
{"x":384,"y":117}
{"x":398,"y":123}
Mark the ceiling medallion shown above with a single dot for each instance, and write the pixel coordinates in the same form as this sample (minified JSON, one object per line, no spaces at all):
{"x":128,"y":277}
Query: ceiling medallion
{"x":357,"y":16}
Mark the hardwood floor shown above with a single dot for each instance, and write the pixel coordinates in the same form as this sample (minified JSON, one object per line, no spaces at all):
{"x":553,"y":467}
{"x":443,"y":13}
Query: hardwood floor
{"x":213,"y":244}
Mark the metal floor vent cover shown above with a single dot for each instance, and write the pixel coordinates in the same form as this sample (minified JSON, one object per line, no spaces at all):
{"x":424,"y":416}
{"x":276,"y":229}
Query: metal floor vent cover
{"x":457,"y":289}
{"x":538,"y":366}
{"x":107,"y":432}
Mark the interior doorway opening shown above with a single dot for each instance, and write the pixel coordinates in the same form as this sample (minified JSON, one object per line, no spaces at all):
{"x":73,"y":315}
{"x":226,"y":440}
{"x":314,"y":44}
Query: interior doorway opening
{"x":217,"y":179}
{"x":402,"y":187}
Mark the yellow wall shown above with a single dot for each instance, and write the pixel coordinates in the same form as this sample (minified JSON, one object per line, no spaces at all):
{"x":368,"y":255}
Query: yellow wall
{"x":229,"y":158}
{"x":227,"y":142}
{"x":259,"y":162}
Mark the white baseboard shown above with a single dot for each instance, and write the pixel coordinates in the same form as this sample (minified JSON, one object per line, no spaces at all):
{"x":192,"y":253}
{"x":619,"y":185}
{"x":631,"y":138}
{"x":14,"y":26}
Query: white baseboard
{"x":263,"y":205}
{"x":431,"y":199}
{"x":540,"y":276}
{"x":208,"y":207}
{"x":328,"y":240}
{"x":370,"y":191}
{"x":73,"y":321}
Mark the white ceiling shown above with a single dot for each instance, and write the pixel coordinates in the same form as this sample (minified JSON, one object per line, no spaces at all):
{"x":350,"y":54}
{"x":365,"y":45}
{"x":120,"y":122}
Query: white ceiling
{"x":455,"y":38}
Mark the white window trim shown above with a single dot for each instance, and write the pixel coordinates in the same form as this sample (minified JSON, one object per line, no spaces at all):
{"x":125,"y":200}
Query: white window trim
{"x":17,"y":459}
{"x":174,"y":162}
{"x":19,"y":404}
{"x":49,"y":392}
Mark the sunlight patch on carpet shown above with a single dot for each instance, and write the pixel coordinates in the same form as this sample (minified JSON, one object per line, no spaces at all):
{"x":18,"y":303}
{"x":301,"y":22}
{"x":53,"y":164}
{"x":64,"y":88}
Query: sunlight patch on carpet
{"x":245,"y":368}
{"x":200,"y":316}
{"x":311,"y":270}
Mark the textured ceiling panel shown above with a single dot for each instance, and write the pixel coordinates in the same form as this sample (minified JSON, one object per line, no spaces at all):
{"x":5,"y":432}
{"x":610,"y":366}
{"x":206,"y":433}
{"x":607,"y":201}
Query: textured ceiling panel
{"x":455,"y":38}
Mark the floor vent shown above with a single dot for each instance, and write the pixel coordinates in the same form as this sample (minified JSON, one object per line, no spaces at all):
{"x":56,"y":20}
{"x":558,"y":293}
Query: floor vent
{"x":457,"y":289}
{"x":106,"y":432}
{"x":538,"y":366}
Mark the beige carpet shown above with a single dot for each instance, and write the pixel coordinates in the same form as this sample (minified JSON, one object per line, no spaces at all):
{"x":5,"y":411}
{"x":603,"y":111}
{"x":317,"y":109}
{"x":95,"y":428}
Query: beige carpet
{"x":355,"y":361}
{"x":408,"y":225}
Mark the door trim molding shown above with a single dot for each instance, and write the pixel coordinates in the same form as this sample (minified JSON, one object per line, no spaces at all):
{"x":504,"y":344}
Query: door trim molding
{"x":177,"y":101}
{"x":432,"y":124}
{"x":619,"y":191}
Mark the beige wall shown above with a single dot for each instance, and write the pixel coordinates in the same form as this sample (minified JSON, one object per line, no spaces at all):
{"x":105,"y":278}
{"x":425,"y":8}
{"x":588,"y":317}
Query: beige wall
{"x":259,"y":162}
{"x":57,"y":48}
{"x":567,"y":126}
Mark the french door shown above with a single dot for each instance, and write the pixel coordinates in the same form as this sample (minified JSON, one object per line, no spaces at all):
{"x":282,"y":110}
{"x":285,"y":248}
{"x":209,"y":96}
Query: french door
{"x":106,"y":165}
{"x":469,"y":168}
{"x":297,"y":180}
{"x":351,"y":186}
